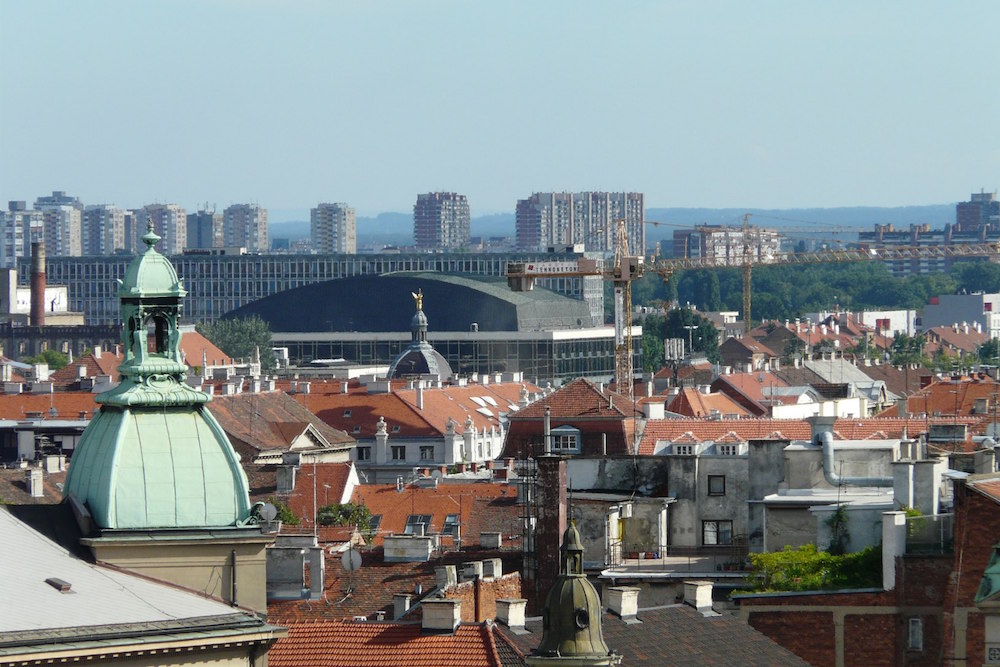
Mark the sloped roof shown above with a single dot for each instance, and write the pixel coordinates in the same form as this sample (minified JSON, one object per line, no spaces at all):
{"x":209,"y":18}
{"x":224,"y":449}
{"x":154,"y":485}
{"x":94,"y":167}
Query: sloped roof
{"x":580,"y":398}
{"x":954,"y":338}
{"x":370,"y":588}
{"x":384,"y":644}
{"x":270,"y":420}
{"x":953,"y":396}
{"x":68,"y":405}
{"x":680,"y":636}
{"x":748,"y":344}
{"x":493,"y":505}
{"x":106,"y":364}
{"x":14,"y":489}
{"x":361,"y":410}
{"x":331,"y":482}
{"x":900,"y":381}
{"x":705,"y":430}
{"x":692,"y":403}
{"x":102,"y":596}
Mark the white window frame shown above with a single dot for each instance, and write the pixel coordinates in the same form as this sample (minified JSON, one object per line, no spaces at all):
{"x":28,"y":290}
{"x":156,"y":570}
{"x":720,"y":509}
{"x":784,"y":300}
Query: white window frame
{"x":714,"y":528}
{"x":565,"y":440}
{"x":915,"y":634}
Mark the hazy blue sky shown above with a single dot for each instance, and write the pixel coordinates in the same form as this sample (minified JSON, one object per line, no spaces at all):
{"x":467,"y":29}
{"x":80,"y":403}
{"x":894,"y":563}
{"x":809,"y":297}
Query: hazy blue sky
{"x":697,"y":104}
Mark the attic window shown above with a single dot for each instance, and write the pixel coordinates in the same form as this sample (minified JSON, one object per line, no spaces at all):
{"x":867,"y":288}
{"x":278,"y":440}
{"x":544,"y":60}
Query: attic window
{"x":684,"y":450}
{"x":374,"y":523}
{"x":347,"y":414}
{"x":450,"y":525}
{"x":395,"y":429}
{"x":728,"y":450}
{"x":356,"y":429}
{"x":417,"y":524}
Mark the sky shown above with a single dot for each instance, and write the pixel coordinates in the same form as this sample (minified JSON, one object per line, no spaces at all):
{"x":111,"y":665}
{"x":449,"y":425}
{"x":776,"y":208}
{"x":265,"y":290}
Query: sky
{"x":717,"y":104}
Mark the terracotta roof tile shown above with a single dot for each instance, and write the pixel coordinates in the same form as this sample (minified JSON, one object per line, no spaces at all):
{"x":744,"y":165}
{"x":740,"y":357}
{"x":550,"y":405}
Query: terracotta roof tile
{"x":331,"y":485}
{"x":704,"y":430}
{"x":479,"y":506}
{"x":580,"y":398}
{"x":693,"y":403}
{"x":269,"y":420}
{"x":67,"y":405}
{"x":959,"y":396}
{"x":383,"y":644}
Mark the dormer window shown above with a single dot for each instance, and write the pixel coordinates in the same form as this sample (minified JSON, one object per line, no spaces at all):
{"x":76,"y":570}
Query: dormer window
{"x":347,"y":414}
{"x":566,"y":440}
{"x":395,"y":429}
{"x":729,"y":450}
{"x":684,"y":450}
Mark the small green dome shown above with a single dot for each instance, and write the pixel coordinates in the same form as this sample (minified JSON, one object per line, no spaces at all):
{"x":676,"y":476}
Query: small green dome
{"x":154,"y":456}
{"x":151,"y":274}
{"x":571,"y":621}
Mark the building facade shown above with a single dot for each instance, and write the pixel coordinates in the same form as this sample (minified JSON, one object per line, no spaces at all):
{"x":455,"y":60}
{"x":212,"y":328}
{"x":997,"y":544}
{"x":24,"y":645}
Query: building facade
{"x":103,"y":230}
{"x":981,"y":211}
{"x":245,"y":225}
{"x":19,"y":226}
{"x":204,"y":230}
{"x":441,"y":220}
{"x":726,"y":245}
{"x":219,"y":284}
{"x":565,"y":218}
{"x":333,"y":229}
{"x":169,"y":223}
{"x":63,"y":227}
{"x":920,"y":236}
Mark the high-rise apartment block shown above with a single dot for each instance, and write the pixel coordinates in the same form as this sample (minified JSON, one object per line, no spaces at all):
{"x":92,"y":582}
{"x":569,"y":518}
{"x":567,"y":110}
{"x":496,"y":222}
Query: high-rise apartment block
{"x":245,"y":225}
{"x":549,"y":219}
{"x":441,"y":220}
{"x":169,"y":223}
{"x":19,"y":225}
{"x":103,"y":229}
{"x":333,"y":229}
{"x":981,"y":212}
{"x":63,"y":231}
{"x":58,"y":198}
{"x":204,"y":230}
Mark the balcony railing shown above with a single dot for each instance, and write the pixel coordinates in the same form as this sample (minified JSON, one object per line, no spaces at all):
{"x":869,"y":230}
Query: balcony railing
{"x":932,"y":534}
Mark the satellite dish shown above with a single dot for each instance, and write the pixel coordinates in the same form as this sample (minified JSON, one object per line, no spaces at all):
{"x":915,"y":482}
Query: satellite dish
{"x":268,"y":512}
{"x":351,"y":560}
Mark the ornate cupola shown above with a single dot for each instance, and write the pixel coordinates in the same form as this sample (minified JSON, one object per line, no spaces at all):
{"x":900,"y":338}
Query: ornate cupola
{"x":154,"y":456}
{"x":571,"y":620}
{"x":419,"y":357}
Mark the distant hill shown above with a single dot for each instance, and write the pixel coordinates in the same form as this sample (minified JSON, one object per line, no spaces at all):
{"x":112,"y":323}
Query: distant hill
{"x":397,"y":228}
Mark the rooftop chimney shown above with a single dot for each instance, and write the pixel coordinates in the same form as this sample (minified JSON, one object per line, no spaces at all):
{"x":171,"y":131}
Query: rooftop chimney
{"x":37,"y":313}
{"x":510,"y":612}
{"x":441,"y":616}
{"x":623,"y":601}
{"x":698,"y":594}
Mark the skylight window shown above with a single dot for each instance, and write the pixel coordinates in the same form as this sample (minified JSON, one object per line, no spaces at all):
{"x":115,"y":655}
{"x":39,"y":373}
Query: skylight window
{"x":478,"y":401}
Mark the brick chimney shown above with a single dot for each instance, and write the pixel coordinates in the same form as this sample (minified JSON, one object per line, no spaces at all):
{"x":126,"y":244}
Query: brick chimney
{"x":36,"y":317}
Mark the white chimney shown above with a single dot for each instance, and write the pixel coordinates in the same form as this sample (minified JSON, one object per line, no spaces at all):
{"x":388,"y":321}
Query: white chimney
{"x":510,"y":612}
{"x":623,"y":601}
{"x":653,"y":409}
{"x":698,"y":594}
{"x":97,"y":352}
{"x":400,"y":604}
{"x":441,"y":615}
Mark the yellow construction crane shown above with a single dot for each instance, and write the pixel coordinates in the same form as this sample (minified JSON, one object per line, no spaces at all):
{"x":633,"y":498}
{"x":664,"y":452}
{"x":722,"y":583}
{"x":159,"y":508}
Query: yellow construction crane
{"x":626,"y":267}
{"x":667,"y":267}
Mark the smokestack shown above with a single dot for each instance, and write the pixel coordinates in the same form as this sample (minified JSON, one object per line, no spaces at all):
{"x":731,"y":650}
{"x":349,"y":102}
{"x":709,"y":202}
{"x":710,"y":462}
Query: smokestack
{"x":36,"y":317}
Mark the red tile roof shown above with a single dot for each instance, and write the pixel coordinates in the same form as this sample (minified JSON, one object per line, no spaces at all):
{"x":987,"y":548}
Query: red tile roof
{"x":383,"y":644}
{"x":953,"y":396}
{"x":270,"y":420}
{"x":489,"y":507}
{"x":954,"y":338}
{"x":704,"y":430}
{"x":370,"y":588}
{"x":580,"y":398}
{"x":693,"y":403}
{"x":336,"y":476}
{"x":68,"y":405}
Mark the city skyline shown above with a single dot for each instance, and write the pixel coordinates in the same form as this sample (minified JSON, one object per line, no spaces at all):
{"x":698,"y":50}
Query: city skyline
{"x":719,"y":104}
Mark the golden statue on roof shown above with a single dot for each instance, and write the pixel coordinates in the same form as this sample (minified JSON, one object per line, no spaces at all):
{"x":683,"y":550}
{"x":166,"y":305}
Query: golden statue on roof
{"x":418,"y":296}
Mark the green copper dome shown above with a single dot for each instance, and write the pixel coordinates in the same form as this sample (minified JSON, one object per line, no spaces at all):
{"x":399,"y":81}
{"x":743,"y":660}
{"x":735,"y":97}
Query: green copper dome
{"x":571,"y":621}
{"x":154,"y":456}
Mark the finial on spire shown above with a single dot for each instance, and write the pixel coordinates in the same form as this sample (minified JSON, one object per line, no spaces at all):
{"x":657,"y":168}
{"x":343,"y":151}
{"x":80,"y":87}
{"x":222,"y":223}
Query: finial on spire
{"x":150,"y":238}
{"x":418,"y":296}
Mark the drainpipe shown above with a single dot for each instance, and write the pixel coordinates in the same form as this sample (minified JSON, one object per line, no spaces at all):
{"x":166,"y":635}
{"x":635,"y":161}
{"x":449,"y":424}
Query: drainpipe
{"x":547,"y":430}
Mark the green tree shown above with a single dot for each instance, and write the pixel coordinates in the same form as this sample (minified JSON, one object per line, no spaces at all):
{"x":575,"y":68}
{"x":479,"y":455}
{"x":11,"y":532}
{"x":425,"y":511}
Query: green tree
{"x":347,"y":514}
{"x":241,"y":337}
{"x":54,"y":358}
{"x":989,"y":352}
{"x":907,"y":350}
{"x":703,"y":338}
{"x":285,"y":514}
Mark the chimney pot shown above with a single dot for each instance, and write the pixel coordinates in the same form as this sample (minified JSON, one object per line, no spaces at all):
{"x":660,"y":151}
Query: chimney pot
{"x":441,"y":615}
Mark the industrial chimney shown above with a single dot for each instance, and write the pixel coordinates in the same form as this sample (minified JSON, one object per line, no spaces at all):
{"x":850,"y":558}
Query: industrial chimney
{"x":37,"y":314}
